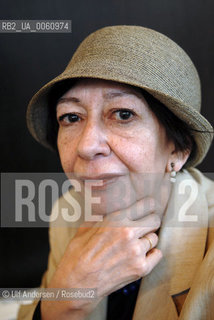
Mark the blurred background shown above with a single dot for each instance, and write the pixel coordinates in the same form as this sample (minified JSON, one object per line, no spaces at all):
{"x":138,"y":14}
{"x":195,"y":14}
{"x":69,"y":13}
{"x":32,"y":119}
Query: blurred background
{"x":28,"y":61}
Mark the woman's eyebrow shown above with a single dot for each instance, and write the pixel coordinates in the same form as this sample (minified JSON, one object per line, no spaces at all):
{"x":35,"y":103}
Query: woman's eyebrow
{"x":107,"y":96}
{"x":70,"y":99}
{"x":115,"y":94}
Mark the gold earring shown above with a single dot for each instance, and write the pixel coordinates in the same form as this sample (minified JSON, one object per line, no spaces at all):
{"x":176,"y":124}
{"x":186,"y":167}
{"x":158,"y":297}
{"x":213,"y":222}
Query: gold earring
{"x":173,"y":173}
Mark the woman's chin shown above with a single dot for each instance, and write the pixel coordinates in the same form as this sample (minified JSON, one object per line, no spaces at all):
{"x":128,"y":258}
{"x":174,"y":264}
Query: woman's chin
{"x":108,"y":201}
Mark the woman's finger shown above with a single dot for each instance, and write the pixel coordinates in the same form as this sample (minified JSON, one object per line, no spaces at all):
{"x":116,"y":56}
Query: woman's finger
{"x":145,"y":225}
{"x":134,"y":212}
{"x":148,"y":242}
{"x":152,"y":259}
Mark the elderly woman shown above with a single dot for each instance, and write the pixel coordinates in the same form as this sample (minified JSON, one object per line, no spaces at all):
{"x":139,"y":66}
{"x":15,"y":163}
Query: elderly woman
{"x":125,"y":119}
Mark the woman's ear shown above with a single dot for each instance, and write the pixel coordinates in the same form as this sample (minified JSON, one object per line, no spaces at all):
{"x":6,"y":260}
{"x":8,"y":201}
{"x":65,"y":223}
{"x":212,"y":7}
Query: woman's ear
{"x":178,"y":159}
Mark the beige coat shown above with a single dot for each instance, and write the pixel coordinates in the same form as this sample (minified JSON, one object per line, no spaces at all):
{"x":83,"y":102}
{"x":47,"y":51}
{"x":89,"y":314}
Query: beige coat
{"x":188,"y":250}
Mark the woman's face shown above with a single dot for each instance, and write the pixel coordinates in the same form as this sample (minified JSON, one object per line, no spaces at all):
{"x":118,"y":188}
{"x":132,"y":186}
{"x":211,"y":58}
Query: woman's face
{"x":108,"y":132}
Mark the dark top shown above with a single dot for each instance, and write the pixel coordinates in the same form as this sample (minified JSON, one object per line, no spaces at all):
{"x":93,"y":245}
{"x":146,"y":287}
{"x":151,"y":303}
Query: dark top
{"x":121,"y":303}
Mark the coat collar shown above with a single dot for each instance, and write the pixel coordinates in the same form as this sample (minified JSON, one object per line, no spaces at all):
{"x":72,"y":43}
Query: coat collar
{"x":182,"y":244}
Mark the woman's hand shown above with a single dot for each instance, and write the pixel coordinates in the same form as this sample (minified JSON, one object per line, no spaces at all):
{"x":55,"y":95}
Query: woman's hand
{"x":106,"y":255}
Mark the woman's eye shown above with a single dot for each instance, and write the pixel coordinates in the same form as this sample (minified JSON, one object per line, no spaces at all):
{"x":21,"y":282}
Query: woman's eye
{"x":124,"y":114}
{"x":69,"y":118}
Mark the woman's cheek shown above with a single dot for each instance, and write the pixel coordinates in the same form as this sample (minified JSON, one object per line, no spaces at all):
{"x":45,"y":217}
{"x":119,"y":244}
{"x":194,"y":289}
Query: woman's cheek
{"x":66,"y":148}
{"x":137,"y":155}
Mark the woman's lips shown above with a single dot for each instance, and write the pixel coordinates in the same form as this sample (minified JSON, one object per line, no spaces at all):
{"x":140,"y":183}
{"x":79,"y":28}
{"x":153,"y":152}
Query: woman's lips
{"x":105,"y":183}
{"x":104,"y":180}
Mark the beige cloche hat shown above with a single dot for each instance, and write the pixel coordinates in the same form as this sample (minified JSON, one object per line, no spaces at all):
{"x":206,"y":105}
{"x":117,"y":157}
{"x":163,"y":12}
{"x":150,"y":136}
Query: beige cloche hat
{"x":139,"y":57}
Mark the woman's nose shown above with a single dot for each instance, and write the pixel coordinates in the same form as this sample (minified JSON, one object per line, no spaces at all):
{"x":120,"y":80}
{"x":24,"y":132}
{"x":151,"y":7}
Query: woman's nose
{"x":93,"y":142}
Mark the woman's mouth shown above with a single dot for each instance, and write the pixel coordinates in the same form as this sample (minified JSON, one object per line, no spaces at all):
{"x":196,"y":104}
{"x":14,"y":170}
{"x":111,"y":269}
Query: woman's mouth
{"x":99,"y":182}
